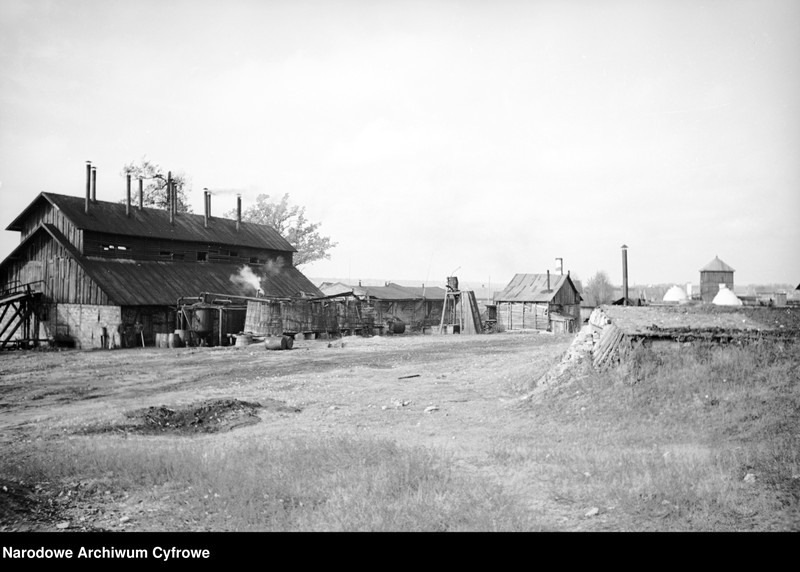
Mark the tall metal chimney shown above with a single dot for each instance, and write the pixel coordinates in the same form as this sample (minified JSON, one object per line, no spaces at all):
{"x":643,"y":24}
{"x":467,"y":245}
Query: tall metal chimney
{"x":88,"y":184}
{"x":209,"y":204}
{"x":624,"y":275}
{"x":141,"y":194}
{"x":169,"y":197}
{"x":205,"y":206}
{"x":128,"y":191}
{"x":238,"y":211}
{"x":94,"y":184}
{"x":548,"y":280}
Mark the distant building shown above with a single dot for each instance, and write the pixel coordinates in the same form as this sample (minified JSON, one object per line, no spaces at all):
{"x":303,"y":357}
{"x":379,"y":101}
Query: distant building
{"x":712,"y":275}
{"x":540,"y":301}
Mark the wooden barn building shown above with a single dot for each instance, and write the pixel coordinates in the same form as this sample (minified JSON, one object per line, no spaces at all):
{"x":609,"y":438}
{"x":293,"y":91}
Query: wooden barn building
{"x":541,"y":302}
{"x":92,"y":273}
{"x":712,"y":275}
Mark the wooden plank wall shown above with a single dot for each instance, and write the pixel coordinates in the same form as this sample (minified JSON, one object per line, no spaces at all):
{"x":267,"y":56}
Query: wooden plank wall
{"x":524,"y":315}
{"x":710,"y":281}
{"x":63,"y":279}
{"x":144,"y":248}
{"x":47,"y":214}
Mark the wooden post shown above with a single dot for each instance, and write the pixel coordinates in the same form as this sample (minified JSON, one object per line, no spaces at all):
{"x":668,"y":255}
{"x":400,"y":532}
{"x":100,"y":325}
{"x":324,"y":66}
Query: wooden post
{"x":220,"y":326}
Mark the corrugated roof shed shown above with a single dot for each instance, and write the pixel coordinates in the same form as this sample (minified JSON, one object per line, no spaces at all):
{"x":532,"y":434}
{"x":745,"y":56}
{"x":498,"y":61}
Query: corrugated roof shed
{"x":716,"y":265}
{"x":533,"y":288}
{"x":110,"y":218}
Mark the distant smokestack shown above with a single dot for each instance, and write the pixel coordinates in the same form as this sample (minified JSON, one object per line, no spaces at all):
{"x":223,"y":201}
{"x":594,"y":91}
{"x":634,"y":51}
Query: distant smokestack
{"x":238,"y":211}
{"x":209,"y":204}
{"x":88,"y":184}
{"x":205,"y":206}
{"x":94,"y":184}
{"x":128,"y":191}
{"x":141,"y":194}
{"x":624,"y":275}
{"x":548,"y":280}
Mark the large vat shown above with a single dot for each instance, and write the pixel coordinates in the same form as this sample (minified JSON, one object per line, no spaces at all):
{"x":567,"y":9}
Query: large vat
{"x":202,"y":321}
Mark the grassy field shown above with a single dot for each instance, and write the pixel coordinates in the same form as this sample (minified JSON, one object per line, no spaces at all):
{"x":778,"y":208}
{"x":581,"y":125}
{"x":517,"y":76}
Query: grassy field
{"x":704,"y":438}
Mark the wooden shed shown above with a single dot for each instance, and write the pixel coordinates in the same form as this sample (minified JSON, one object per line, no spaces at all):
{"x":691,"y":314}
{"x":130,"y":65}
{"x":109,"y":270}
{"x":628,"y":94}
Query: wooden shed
{"x":540,"y":302}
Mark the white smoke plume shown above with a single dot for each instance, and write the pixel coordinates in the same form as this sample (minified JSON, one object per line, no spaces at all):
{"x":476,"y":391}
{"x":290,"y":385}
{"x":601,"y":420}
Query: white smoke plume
{"x":248,"y":280}
{"x":274,"y":267}
{"x":252,"y":282}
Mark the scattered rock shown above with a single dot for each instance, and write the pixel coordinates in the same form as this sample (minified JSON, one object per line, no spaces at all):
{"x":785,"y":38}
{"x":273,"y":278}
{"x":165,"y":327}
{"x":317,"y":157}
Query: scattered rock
{"x":124,"y":519}
{"x":594,"y":511}
{"x":431,"y":408}
{"x":63,"y":525}
{"x":749,"y":478}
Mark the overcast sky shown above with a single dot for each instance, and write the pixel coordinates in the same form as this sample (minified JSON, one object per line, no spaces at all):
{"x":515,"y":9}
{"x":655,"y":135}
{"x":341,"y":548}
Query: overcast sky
{"x":488,"y":137}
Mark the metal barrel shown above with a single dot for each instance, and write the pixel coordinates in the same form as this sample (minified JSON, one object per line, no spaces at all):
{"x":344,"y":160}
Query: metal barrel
{"x":276,"y":343}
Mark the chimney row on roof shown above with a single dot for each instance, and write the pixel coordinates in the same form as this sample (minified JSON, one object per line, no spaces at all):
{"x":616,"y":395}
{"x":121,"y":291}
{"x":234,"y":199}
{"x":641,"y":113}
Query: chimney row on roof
{"x":141,"y":194}
{"x":88,"y":184}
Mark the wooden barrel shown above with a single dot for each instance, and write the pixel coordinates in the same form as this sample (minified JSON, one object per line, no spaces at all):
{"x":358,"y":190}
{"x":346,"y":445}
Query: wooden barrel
{"x":289,"y":342}
{"x":162,"y":341}
{"x":276,"y":343}
{"x":244,"y":339}
{"x":173,"y":340}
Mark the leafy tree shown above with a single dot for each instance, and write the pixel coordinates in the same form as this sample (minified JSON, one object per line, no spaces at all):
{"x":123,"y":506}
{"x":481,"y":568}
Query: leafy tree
{"x":599,"y":288}
{"x":290,"y":221}
{"x":155,"y":185}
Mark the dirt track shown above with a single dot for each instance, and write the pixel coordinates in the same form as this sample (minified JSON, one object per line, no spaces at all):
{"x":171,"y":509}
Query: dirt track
{"x":377,"y":386}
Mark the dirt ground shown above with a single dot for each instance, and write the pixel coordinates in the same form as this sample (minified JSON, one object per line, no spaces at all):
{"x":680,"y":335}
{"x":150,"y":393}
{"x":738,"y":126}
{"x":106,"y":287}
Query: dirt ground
{"x":444,"y":392}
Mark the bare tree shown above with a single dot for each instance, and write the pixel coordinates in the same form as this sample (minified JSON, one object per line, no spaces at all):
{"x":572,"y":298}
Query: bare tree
{"x":290,"y":221}
{"x":599,"y":288}
{"x":155,"y":184}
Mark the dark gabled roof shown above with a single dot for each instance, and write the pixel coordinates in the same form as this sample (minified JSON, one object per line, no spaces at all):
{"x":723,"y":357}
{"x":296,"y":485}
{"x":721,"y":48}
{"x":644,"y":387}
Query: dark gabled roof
{"x":390,"y":292}
{"x":107,"y":217}
{"x":533,"y":288}
{"x":141,"y":283}
{"x":716,"y":265}
{"x":397,"y":292}
{"x":434,"y":292}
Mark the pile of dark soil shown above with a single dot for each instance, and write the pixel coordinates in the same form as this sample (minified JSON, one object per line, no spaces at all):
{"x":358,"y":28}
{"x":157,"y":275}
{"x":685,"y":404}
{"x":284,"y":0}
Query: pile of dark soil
{"x":22,"y":508}
{"x":206,"y":417}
